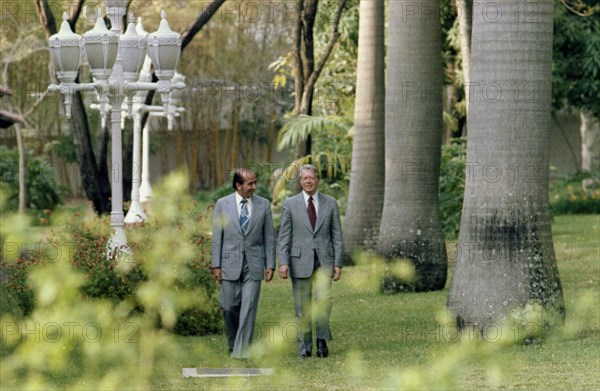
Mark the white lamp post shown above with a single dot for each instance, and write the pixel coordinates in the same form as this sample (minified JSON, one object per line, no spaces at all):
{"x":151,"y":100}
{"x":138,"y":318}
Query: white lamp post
{"x":136,"y":213}
{"x":146,"y":193}
{"x":115,"y":63}
{"x":142,"y":192}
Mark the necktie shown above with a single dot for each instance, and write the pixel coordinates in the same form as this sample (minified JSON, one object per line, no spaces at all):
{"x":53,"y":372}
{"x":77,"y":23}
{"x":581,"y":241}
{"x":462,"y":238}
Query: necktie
{"x":244,"y":215}
{"x":312,"y":213}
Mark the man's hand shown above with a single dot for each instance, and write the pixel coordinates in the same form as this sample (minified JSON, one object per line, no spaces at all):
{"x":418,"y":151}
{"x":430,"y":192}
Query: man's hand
{"x":284,"y":271}
{"x":337,"y":273}
{"x":216,"y":272}
{"x":269,"y":274}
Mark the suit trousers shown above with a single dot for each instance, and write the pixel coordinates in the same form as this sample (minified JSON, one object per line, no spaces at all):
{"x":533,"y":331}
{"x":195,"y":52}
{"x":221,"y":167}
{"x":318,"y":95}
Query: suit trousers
{"x":239,"y":301}
{"x":303,"y":289}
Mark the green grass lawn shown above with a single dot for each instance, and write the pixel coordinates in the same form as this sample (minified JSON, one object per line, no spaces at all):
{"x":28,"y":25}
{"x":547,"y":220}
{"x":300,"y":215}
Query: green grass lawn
{"x":384,"y":342}
{"x":404,"y":341}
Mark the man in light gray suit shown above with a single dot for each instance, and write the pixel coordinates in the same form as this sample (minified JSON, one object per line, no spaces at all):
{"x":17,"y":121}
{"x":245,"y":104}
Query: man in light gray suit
{"x":243,"y":253}
{"x":310,"y":251}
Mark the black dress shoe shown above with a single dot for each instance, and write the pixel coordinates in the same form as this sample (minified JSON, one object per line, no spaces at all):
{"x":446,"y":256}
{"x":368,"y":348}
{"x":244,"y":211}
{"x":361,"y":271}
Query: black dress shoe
{"x":230,"y":351}
{"x":305,"y":355}
{"x":322,"y":350}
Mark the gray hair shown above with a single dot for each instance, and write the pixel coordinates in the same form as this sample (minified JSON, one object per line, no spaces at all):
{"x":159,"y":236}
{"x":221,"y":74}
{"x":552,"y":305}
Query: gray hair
{"x":310,"y":167}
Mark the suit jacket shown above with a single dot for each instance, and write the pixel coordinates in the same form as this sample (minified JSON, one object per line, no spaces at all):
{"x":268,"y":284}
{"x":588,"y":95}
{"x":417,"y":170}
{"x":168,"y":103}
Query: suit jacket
{"x":298,"y":242}
{"x":229,"y":245}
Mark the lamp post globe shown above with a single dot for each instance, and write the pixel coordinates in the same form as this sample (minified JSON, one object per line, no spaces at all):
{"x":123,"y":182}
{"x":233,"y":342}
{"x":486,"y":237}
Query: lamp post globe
{"x":65,"y":52}
{"x":101,"y":47}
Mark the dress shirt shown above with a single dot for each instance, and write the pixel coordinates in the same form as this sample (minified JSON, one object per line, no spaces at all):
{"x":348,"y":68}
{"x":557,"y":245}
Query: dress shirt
{"x":238,"y":203}
{"x":315,"y":200}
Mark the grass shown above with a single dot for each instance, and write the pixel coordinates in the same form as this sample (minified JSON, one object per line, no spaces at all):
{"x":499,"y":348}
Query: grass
{"x":379,"y":340}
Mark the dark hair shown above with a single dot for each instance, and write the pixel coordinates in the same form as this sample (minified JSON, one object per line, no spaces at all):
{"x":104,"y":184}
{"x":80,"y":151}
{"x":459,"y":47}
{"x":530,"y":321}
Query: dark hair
{"x":239,"y":176}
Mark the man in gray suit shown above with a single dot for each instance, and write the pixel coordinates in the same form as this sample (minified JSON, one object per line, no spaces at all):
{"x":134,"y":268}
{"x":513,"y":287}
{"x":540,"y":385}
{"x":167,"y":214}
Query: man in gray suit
{"x":243,"y":253}
{"x":310,"y":251}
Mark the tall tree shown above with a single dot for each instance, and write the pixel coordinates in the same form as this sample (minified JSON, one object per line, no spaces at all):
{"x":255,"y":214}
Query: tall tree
{"x":365,"y":198}
{"x":410,"y":224}
{"x":306,"y":72}
{"x":505,"y":254}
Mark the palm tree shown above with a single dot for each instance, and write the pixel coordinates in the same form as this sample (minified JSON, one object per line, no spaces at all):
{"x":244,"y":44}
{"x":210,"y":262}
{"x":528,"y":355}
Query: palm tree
{"x":365,"y":199}
{"x":410,"y":224}
{"x":505,"y":254}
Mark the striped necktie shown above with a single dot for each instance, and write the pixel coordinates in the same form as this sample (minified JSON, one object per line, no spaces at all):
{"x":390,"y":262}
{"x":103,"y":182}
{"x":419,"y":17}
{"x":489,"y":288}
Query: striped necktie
{"x":244,"y":215}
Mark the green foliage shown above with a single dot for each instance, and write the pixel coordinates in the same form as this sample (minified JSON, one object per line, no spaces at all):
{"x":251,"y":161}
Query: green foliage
{"x":119,"y":279}
{"x":20,"y":297}
{"x":42,"y":192}
{"x":199,"y":320}
{"x":70,"y":340}
{"x":578,"y":193}
{"x":413,"y":344}
{"x":452,"y":185}
{"x":336,"y":88}
{"x":89,"y":244}
{"x":64,"y":147}
{"x":331,"y":154}
{"x":576,"y":60}
{"x":297,"y":129}
{"x":410,"y":342}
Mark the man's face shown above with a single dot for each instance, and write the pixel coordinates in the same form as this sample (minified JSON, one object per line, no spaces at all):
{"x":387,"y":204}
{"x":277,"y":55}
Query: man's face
{"x":247,"y":188}
{"x":309,"y":182}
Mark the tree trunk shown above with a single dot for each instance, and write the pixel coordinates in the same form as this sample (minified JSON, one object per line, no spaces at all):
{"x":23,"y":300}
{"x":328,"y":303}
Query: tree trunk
{"x":590,"y":142}
{"x":97,"y":187}
{"x":306,"y":72}
{"x":234,"y":148}
{"x":465,"y":26}
{"x":367,"y":178}
{"x":505,"y":255}
{"x":410,"y":224}
{"x":22,"y":169}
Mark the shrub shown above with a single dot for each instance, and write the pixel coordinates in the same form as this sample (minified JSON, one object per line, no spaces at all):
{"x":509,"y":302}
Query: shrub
{"x":205,"y":320}
{"x":452,"y":185}
{"x":17,"y":296}
{"x":120,"y":279}
{"x":42,"y":191}
{"x":577,"y":193}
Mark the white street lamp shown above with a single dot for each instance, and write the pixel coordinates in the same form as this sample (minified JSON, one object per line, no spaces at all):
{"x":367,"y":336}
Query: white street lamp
{"x":145,"y":190}
{"x":115,"y":64}
{"x":136,"y":213}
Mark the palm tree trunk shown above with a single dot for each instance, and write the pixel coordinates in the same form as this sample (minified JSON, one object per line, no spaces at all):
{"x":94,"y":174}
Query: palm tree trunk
{"x":410,"y":224}
{"x":367,"y":178}
{"x":505,"y":254}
